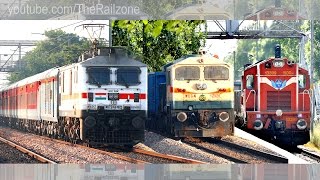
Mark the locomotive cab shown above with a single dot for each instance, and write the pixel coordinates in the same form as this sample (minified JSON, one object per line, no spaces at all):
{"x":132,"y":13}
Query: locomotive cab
{"x":276,"y":99}
{"x":195,"y":98}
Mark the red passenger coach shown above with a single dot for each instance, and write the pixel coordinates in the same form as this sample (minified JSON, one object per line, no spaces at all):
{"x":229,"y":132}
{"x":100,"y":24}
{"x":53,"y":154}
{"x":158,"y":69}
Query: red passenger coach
{"x":276,"y":100}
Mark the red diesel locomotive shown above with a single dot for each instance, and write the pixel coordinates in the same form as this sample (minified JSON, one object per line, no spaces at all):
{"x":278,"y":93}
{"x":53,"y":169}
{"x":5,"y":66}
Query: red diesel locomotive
{"x":275,"y":100}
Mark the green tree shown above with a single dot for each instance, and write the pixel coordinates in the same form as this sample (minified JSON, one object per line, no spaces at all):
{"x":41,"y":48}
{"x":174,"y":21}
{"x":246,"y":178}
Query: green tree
{"x":254,"y":50}
{"x":316,"y":57}
{"x":58,"y":49}
{"x":158,"y":42}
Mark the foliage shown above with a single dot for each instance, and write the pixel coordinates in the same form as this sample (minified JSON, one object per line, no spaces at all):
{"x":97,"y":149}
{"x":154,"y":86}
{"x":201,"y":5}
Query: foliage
{"x":158,"y":42}
{"x":252,"y":51}
{"x":59,"y":49}
{"x":316,"y":57}
{"x":315,"y":134}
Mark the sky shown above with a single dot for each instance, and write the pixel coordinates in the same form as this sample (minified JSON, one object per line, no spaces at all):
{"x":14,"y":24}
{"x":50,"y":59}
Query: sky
{"x":34,"y":29}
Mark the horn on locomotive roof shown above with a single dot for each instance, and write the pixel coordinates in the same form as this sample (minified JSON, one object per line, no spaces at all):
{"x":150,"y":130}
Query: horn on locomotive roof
{"x":277,"y":51}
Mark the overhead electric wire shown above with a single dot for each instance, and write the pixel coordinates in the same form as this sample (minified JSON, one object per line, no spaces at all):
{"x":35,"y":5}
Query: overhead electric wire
{"x":8,"y":59}
{"x":2,"y":15}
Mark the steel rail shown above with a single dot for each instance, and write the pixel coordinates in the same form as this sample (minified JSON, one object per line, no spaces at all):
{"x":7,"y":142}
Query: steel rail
{"x":114,"y":155}
{"x":167,"y":156}
{"x":237,"y":148}
{"x":28,"y":152}
{"x":310,"y":153}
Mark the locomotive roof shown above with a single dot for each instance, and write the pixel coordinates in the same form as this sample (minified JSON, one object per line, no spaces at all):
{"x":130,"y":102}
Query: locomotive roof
{"x":33,"y":78}
{"x":260,"y":62}
{"x":264,"y":61}
{"x":185,"y":57}
{"x":113,"y":56}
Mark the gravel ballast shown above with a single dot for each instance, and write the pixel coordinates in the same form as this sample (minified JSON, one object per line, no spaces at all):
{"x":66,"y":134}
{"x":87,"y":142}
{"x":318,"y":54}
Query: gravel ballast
{"x":60,"y":153}
{"x":10,"y":155}
{"x":165,"y":145}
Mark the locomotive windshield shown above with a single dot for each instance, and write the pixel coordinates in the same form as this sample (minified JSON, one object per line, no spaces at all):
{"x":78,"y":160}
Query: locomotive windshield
{"x":128,"y":76}
{"x":216,"y":73}
{"x":98,"y":75}
{"x":187,"y":73}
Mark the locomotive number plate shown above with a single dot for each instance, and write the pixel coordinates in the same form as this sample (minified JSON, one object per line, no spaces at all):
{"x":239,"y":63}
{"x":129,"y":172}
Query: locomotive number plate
{"x":288,"y":73}
{"x":271,"y":72}
{"x":190,"y":96}
{"x":92,"y":106}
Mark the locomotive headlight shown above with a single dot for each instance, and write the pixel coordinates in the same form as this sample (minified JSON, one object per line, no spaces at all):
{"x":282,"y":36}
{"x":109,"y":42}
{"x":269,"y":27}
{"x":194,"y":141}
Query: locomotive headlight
{"x":182,"y":116}
{"x":201,"y":86}
{"x":224,"y":116}
{"x":258,"y":115}
{"x":279,"y":112}
{"x":301,"y":124}
{"x":278,"y":63}
{"x":198,"y":86}
{"x":190,"y":107}
{"x":204,"y":86}
{"x":258,"y":124}
{"x":299,"y":115}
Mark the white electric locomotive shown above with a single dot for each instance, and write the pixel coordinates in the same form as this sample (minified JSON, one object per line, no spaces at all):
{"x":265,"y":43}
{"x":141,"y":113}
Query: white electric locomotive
{"x":99,"y":100}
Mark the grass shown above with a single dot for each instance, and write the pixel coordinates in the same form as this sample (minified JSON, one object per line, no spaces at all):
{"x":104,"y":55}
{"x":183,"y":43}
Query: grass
{"x":314,"y":143}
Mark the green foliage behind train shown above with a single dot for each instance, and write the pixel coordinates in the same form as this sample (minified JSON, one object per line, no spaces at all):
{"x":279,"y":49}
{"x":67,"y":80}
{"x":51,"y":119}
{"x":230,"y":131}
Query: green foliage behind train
{"x":315,"y":135}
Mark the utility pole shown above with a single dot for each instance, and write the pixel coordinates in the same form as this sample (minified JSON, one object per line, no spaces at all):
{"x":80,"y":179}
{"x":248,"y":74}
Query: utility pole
{"x":312,"y":60}
{"x":110,"y":33}
{"x":235,"y":71}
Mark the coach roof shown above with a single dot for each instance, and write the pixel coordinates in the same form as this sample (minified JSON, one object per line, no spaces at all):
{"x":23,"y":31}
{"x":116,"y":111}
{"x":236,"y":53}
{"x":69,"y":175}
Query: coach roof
{"x":113,"y":56}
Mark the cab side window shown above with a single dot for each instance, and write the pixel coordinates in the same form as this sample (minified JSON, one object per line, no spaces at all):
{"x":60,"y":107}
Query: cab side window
{"x":302,"y":81}
{"x":249,"y":82}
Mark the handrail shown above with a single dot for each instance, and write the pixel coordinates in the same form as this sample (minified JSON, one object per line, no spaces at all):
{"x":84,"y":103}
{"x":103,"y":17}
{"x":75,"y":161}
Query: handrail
{"x":303,"y":93}
{"x":254,"y":99}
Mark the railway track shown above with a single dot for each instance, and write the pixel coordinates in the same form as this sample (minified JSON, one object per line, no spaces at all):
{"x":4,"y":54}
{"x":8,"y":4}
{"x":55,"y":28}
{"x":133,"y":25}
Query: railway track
{"x":233,"y":152}
{"x":309,"y":153}
{"x":156,"y":158}
{"x":135,"y":155}
{"x":101,"y":151}
{"x":34,"y":155}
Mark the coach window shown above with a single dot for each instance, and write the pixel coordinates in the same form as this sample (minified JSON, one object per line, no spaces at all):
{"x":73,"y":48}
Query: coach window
{"x":187,"y":73}
{"x":70,"y":88}
{"x":250,"y":82}
{"x":128,"y":76}
{"x":63,"y":82}
{"x":98,"y":75}
{"x":216,"y":73}
{"x":302,"y":81}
